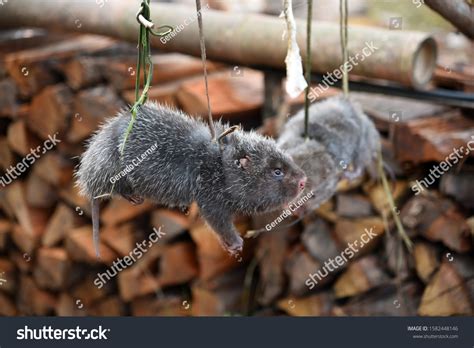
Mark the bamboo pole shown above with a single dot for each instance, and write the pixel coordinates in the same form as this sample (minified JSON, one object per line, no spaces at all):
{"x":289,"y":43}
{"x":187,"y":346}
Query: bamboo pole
{"x":240,"y":39}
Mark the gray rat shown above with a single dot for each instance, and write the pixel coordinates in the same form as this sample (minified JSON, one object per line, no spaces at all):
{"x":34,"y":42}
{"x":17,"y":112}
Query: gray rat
{"x":340,"y":136}
{"x":171,"y":159}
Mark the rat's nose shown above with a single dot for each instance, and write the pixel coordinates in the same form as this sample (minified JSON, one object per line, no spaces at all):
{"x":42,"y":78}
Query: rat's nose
{"x":302,"y":183}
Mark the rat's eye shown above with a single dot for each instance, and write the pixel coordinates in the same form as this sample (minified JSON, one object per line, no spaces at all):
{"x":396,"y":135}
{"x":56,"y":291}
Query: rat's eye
{"x":278,"y":173}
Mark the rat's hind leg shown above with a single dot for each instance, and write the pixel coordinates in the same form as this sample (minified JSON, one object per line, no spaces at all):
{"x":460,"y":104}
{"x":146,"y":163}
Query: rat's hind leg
{"x":221,"y":223}
{"x":126,"y":190}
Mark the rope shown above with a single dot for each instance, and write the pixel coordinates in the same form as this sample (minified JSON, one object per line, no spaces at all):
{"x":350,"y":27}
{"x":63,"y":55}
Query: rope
{"x":203,"y":57}
{"x":391,"y":202}
{"x":343,"y":9}
{"x":308,"y":66}
{"x":144,"y":62}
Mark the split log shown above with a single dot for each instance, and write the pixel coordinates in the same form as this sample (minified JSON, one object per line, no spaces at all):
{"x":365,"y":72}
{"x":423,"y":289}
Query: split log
{"x":89,"y":293}
{"x":24,"y":262}
{"x":91,"y":108}
{"x":178,"y":264}
{"x":311,"y":306}
{"x":387,"y":110}
{"x":213,"y":259}
{"x":173,"y":223}
{"x":71,"y":196}
{"x":8,"y":93}
{"x":32,"y":220}
{"x":414,"y":140}
{"x":8,"y":283}
{"x":35,"y":68}
{"x":5,"y":232}
{"x":460,"y":186}
{"x":272,"y":250}
{"x":437,"y":219}
{"x":164,"y":94}
{"x":167,"y":67}
{"x":7,"y":307}
{"x":133,"y":283}
{"x":219,"y":300}
{"x":67,"y":306}
{"x":235,"y":99}
{"x":152,"y":306}
{"x":353,"y":206}
{"x":80,"y":247}
{"x":21,"y":140}
{"x":378,"y":197}
{"x":110,"y":307}
{"x":361,"y":276}
{"x":446,"y":294}
{"x":39,"y":193}
{"x":299,"y":265}
{"x":426,"y":260}
{"x":319,"y":240}
{"x":6,"y":155}
{"x":83,"y":72}
{"x":50,"y":112}
{"x":385,"y":301}
{"x":54,"y":168}
{"x":120,"y":238}
{"x":53,"y":269}
{"x":364,"y":234}
{"x":34,"y":301}
{"x":120,"y":210}
{"x":399,"y":259}
{"x":62,"y":221}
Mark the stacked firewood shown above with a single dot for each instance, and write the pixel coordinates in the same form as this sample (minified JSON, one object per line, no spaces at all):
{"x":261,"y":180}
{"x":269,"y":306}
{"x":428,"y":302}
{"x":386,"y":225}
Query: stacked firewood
{"x":55,"y":90}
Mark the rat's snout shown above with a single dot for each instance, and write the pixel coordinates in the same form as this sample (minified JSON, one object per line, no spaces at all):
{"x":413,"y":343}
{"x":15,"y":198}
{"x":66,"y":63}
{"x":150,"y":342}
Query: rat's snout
{"x":302,"y":183}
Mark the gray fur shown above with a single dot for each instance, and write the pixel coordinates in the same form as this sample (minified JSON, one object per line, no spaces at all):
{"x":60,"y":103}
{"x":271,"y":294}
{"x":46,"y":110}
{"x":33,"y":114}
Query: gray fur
{"x":187,"y":166}
{"x":340,"y":136}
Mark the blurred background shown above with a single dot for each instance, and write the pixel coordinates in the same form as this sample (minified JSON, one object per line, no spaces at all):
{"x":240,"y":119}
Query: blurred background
{"x":62,"y":82}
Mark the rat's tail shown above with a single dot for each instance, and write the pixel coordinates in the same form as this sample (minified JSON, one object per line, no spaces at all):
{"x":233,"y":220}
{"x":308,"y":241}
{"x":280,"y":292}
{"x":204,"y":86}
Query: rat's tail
{"x":95,"y":225}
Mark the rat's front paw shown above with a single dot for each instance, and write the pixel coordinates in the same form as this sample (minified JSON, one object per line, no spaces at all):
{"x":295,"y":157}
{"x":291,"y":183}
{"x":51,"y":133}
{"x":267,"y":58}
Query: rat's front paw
{"x":134,"y":199}
{"x":235,"y":247}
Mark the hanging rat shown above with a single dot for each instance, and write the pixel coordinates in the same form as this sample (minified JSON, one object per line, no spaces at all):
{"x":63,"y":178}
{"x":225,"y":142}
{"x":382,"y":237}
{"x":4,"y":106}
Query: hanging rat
{"x":171,"y":159}
{"x":340,"y":138}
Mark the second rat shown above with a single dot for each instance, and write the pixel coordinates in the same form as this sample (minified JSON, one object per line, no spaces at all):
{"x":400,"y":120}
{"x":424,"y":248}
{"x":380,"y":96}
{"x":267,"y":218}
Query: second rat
{"x":170,"y":159}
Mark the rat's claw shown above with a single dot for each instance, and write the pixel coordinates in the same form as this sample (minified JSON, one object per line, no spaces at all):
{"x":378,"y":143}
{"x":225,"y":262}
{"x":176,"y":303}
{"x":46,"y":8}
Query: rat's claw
{"x":235,"y":247}
{"x":134,"y":199}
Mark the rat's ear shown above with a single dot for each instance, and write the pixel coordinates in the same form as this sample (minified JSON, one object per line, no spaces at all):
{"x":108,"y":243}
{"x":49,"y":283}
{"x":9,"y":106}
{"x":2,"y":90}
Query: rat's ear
{"x":226,"y":137}
{"x":243,"y":162}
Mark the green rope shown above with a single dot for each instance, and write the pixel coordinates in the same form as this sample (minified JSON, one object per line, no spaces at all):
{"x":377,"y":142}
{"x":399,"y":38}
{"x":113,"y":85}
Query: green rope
{"x":145,"y":63}
{"x":308,"y":66}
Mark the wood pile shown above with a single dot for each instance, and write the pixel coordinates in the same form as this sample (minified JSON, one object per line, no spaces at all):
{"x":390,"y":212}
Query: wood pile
{"x":54,"y":93}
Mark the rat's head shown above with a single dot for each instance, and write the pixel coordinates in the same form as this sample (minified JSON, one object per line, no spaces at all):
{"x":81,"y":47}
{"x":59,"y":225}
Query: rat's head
{"x":259,"y":176}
